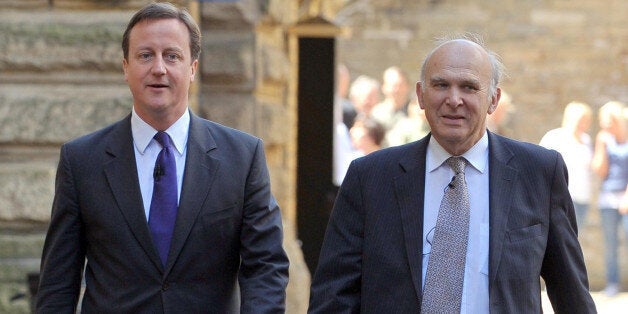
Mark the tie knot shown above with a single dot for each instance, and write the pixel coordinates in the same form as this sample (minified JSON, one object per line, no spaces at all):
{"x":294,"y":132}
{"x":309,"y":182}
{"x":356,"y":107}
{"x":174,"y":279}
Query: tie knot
{"x":457,"y":164}
{"x":164,"y":139}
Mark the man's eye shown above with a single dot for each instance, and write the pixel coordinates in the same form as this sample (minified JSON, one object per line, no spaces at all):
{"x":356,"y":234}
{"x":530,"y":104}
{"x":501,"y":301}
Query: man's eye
{"x":172,"y":57}
{"x":144,"y":56}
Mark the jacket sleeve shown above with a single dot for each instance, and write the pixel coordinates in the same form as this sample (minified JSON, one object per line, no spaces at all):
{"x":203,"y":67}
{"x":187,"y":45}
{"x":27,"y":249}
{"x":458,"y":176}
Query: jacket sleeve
{"x":63,"y":255}
{"x":336,"y":287}
{"x":563,"y":267}
{"x":263,"y":275}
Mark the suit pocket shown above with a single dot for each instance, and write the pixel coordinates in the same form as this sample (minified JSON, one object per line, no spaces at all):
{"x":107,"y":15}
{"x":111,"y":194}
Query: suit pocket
{"x":525,"y":233}
{"x":213,"y":217}
{"x":223,"y":223}
{"x":220,"y":230}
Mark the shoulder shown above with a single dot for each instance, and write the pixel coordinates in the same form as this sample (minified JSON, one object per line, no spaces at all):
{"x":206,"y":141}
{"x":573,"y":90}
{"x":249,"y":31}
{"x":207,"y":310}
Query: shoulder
{"x":516,"y":145}
{"x":525,"y":152}
{"x":552,"y":137}
{"x":210,"y":134}
{"x":407,"y":155}
{"x":117,"y":130}
{"x":555,"y":132}
{"x":220,"y":131}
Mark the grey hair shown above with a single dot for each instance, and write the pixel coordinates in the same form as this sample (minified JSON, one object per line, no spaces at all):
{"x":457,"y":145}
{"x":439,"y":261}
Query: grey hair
{"x":497,"y":66}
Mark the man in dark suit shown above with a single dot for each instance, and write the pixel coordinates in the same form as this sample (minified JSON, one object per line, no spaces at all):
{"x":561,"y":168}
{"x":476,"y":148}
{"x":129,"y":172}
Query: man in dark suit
{"x":223,"y":253}
{"x":379,"y":240}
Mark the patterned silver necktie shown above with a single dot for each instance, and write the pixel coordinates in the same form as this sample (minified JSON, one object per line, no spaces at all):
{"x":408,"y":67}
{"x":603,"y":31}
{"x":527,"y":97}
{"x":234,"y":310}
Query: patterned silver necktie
{"x":445,"y":271}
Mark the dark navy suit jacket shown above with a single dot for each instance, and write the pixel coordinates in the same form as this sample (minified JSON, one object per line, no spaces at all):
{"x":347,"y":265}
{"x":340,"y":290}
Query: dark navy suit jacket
{"x":226,"y":254}
{"x":371,"y":258}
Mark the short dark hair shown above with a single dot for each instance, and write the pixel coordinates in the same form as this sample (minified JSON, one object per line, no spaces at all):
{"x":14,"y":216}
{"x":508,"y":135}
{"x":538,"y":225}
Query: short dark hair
{"x":374,"y":129}
{"x":165,"y":10}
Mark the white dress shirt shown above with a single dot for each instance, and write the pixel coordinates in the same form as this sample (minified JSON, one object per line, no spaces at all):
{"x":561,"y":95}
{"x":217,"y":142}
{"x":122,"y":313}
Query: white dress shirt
{"x":475,"y":297}
{"x":147,"y":149}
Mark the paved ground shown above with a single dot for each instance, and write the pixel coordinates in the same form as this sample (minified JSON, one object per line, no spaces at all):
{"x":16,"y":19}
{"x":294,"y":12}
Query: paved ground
{"x":604,"y":304}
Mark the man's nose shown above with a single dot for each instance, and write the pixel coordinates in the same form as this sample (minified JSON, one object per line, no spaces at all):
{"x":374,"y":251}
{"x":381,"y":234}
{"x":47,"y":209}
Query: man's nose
{"x":159,"y":66}
{"x":455,"y":97}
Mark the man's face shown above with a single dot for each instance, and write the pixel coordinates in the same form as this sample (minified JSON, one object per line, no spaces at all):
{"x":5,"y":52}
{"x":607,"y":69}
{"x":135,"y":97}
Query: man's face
{"x":455,"y":96}
{"x":159,"y":70}
{"x":365,"y":102}
{"x":395,"y":86}
{"x":359,"y":137}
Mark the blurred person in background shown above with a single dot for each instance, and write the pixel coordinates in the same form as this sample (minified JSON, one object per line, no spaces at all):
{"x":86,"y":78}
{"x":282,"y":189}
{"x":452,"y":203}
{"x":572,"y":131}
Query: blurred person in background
{"x":396,"y":91}
{"x":408,"y":129}
{"x":574,"y":143}
{"x":364,"y":94}
{"x":344,"y":117}
{"x":341,"y":97}
{"x":367,"y":135}
{"x":610,"y":163}
{"x":500,"y":120}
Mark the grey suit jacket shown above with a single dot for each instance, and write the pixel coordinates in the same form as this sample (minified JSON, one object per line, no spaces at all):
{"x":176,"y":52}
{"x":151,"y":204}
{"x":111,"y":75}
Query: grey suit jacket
{"x":371,"y":258}
{"x":226,"y":254}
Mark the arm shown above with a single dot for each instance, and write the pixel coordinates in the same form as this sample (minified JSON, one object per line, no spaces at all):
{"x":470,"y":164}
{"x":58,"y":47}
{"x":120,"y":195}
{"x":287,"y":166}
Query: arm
{"x":623,"y":206}
{"x":64,"y":251}
{"x":263,"y":272}
{"x":563,"y":267}
{"x":336,"y":287}
{"x":599,"y":163}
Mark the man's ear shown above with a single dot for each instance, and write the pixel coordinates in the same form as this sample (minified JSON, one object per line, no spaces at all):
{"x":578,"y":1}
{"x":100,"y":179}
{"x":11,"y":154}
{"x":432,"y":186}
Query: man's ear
{"x":194,"y":66}
{"x":125,"y":64}
{"x":495,"y":101}
{"x":419,"y":94}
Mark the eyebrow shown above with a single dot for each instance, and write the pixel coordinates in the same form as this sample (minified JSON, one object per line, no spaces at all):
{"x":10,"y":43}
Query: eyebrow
{"x":174,"y":49}
{"x":437,"y":79}
{"x":465,"y":81}
{"x":148,"y":47}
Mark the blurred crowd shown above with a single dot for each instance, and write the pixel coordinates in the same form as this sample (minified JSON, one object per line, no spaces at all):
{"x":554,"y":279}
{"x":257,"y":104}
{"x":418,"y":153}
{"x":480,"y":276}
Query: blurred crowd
{"x":604,"y":159}
{"x":370,"y":115}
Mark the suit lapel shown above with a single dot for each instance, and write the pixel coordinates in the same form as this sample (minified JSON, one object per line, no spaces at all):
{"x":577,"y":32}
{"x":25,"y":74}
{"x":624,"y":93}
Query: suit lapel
{"x":121,"y":173}
{"x":199,"y":175}
{"x":409,"y":191}
{"x":501,"y":181}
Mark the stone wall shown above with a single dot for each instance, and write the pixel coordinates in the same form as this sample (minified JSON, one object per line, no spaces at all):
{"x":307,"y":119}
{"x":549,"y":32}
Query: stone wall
{"x":60,"y":77}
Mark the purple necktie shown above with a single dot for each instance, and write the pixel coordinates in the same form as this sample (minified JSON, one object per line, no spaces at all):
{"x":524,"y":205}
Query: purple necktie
{"x":163,"y":207}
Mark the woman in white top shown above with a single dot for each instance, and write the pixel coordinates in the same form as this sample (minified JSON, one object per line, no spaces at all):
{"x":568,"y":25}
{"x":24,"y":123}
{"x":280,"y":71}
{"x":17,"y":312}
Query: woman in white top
{"x":574,"y":144}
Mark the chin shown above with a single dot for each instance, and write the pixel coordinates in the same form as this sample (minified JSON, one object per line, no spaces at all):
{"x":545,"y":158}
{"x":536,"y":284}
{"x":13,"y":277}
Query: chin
{"x":158,"y":105}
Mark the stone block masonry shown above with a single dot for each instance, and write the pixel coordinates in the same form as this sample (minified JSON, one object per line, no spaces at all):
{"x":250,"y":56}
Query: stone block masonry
{"x":61,"y":77}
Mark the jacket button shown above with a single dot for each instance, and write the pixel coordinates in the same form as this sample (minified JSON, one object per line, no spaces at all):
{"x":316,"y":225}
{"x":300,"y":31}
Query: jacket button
{"x":165,"y":286}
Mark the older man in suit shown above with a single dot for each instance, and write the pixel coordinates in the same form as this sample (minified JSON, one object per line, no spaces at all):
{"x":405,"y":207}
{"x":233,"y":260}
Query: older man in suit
{"x":163,"y":212}
{"x":381,"y":252}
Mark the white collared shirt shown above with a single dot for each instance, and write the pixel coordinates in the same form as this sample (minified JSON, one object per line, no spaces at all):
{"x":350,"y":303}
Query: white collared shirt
{"x":147,"y":149}
{"x":475,"y":294}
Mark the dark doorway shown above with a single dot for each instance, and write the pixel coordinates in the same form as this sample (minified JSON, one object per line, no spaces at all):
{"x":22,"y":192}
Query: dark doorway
{"x":315,"y":189}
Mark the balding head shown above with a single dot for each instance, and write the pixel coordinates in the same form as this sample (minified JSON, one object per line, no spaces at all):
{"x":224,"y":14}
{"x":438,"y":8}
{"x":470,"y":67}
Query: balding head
{"x":474,"y":43}
{"x":458,"y":88}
